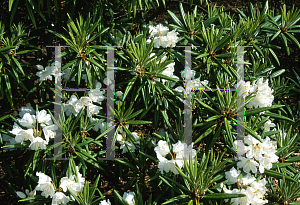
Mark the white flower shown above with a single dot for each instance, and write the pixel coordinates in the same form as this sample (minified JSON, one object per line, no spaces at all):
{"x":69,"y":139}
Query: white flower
{"x":27,"y":120}
{"x":105,"y":203}
{"x":66,"y":74}
{"x":96,"y":95}
{"x":69,"y":183}
{"x":129,"y":198}
{"x":107,"y":81}
{"x":43,"y":118}
{"x":244,"y":88}
{"x":249,"y":140}
{"x":192,"y":74}
{"x":188,"y":152}
{"x":239,"y":147}
{"x":246,"y":180}
{"x":27,"y":109}
{"x":255,"y":151}
{"x":45,"y":185}
{"x":178,"y":147}
{"x":93,"y":109}
{"x":129,"y":144}
{"x":37,"y":143}
{"x":263,"y":97}
{"x":173,"y":38}
{"x":120,"y":139}
{"x":60,"y":198}
{"x":24,"y":135}
{"x":39,"y":67}
{"x":44,"y":74}
{"x":101,"y":125}
{"x":268,"y":125}
{"x":152,"y":30}
{"x":135,"y":136}
{"x":32,"y":193}
{"x":16,"y":129}
{"x":21,"y":194}
{"x":49,"y":131}
{"x":248,"y":165}
{"x":180,"y":89}
{"x":84,"y":101}
{"x":232,"y":175}
{"x":162,"y":148}
{"x":167,"y":165}
{"x":119,"y":94}
{"x":162,"y":30}
{"x":69,"y":106}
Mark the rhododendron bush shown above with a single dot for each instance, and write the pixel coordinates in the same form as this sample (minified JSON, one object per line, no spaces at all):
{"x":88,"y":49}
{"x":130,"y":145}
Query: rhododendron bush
{"x":118,"y":109}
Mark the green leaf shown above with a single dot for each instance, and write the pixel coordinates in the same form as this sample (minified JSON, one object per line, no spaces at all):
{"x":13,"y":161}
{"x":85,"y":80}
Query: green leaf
{"x":207,"y":107}
{"x":176,"y":20}
{"x":138,"y":122}
{"x":259,"y":110}
{"x":30,"y":12}
{"x":10,"y":4}
{"x":277,"y":73}
{"x":207,"y":132}
{"x":183,"y":15}
{"x":293,"y":39}
{"x":285,"y":43}
{"x":278,"y":175}
{"x":276,"y":116}
{"x":293,"y":159}
{"x":129,"y":86}
{"x":222,"y":196}
{"x":280,"y":165}
{"x":177,"y":198}
{"x":8,"y":90}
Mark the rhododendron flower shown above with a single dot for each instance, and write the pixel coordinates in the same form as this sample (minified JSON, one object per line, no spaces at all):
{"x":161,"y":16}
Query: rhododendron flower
{"x":60,"y":198}
{"x":49,"y":131}
{"x":162,"y":148}
{"x":45,"y":185}
{"x":39,"y":67}
{"x":232,"y":175}
{"x":248,"y":165}
{"x":38,"y":143}
{"x":24,"y":135}
{"x":27,"y":109}
{"x":268,"y":125}
{"x":45,"y":74}
{"x":129,"y":198}
{"x":21,"y":194}
{"x":27,"y":120}
{"x":43,"y":118}
{"x":105,"y":202}
{"x":246,"y":180}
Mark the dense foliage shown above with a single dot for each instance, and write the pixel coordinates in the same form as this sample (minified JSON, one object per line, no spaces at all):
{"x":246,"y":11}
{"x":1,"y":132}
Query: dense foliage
{"x":154,"y":162}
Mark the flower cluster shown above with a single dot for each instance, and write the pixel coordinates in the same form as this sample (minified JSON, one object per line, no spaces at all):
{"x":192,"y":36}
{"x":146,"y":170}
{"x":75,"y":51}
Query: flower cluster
{"x":36,"y":127}
{"x":247,"y":185}
{"x":74,"y":105}
{"x":162,"y":36}
{"x":46,"y":186}
{"x":258,"y":154}
{"x":48,"y":72}
{"x":261,"y":90}
{"x":180,"y":151}
{"x":128,"y":197}
{"x":194,"y":83}
{"x":169,"y":71}
{"x":122,"y":141}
